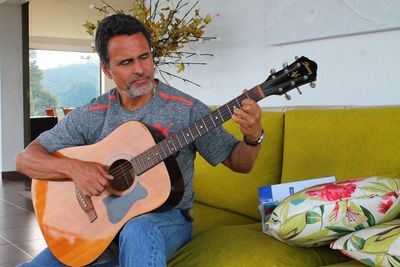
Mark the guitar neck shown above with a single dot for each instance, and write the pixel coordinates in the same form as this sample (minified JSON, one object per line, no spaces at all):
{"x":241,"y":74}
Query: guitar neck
{"x":188,"y":135}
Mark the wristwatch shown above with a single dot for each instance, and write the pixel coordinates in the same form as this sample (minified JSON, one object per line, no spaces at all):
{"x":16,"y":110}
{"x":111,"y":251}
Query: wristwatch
{"x":254,"y":143}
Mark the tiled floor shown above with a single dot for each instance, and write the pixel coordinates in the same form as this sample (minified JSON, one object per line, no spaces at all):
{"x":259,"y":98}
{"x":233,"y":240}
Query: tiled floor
{"x":20,"y":236}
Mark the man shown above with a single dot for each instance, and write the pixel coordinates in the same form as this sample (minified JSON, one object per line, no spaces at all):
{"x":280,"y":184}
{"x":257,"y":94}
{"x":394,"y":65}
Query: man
{"x":124,"y":48}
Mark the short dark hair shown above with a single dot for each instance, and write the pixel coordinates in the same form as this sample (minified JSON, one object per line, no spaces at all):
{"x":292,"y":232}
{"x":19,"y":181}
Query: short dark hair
{"x":117,"y":24}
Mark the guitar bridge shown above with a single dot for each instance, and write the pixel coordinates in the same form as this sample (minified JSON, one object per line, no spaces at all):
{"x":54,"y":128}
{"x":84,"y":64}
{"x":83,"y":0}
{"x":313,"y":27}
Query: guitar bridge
{"x":86,"y":205}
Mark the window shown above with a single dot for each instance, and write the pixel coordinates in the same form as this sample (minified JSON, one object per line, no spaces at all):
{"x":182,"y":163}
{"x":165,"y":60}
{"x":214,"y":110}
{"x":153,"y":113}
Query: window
{"x":60,"y":79}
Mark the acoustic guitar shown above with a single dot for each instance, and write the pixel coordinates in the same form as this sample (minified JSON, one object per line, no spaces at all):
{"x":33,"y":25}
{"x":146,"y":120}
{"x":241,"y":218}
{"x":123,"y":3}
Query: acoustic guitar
{"x":78,"y":229}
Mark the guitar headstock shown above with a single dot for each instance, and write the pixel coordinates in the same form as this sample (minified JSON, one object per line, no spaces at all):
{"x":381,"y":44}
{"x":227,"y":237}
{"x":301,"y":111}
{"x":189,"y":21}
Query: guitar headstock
{"x":302,"y":71}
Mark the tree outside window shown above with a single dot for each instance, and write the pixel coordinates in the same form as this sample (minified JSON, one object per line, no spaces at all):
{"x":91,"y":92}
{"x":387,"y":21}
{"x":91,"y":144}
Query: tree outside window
{"x":62,"y":79}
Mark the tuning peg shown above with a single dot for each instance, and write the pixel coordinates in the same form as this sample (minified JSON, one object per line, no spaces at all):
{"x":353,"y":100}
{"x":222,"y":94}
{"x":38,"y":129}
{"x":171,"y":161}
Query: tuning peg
{"x":272,"y":71}
{"x":292,"y":83}
{"x":280,"y":89}
{"x":285,"y":64}
{"x":298,"y":90}
{"x":313,"y":85}
{"x":288,"y":97}
{"x":296,"y":57}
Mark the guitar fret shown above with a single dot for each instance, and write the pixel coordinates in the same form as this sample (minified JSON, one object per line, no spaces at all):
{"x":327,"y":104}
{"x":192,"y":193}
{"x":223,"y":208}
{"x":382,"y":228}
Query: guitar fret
{"x":152,"y":156}
{"x":158,"y":153}
{"x":190,"y":133}
{"x":205,"y":125}
{"x":239,"y":106}
{"x":179,"y":141}
{"x":167,"y":147}
{"x":229,"y":109}
{"x":141,"y":163}
{"x":197,"y":129}
{"x":183,"y":133}
{"x":173,"y":143}
{"x":135,"y":165}
{"x":146,"y":161}
{"x":201,"y":128}
{"x":161,"y":144}
{"x":212,"y":120}
{"x":222,"y":118}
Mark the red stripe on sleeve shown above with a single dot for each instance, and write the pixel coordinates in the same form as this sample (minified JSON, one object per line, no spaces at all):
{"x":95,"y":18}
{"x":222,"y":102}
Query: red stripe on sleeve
{"x":172,"y":97}
{"x":98,"y":107}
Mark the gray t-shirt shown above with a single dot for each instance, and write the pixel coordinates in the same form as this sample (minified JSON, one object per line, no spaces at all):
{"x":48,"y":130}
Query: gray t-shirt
{"x":168,"y":111}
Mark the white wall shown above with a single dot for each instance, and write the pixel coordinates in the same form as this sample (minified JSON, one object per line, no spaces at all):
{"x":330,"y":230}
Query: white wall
{"x":11,"y":111}
{"x":353,"y":70}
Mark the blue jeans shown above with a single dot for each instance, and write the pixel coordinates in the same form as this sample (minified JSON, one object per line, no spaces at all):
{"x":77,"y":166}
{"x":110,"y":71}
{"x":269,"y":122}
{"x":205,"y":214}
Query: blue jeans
{"x":146,"y":240}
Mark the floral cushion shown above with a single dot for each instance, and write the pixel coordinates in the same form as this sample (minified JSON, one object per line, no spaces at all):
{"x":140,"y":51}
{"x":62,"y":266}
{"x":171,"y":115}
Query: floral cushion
{"x":319,"y":214}
{"x":375,"y":246}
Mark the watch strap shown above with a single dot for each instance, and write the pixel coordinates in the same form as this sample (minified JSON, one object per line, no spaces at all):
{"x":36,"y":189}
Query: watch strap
{"x":254,"y":143}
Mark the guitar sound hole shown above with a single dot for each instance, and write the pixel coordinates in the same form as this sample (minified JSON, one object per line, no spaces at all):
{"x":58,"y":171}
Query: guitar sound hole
{"x":123,"y":173}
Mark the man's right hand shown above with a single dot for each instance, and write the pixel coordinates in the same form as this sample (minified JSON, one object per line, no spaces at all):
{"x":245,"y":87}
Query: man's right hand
{"x":91,"y":178}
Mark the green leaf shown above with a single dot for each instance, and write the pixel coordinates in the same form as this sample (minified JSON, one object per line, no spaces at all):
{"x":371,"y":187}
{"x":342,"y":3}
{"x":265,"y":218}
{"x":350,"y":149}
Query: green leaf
{"x":357,"y":242}
{"x":380,"y":243}
{"x":312,"y":217}
{"x":297,"y":201}
{"x":346,"y":244}
{"x":395,"y":261}
{"x":338,"y":229}
{"x":368,"y":214}
{"x":292,"y":227}
{"x":359,"y":227}
{"x":367,"y":261}
{"x":317,"y":237}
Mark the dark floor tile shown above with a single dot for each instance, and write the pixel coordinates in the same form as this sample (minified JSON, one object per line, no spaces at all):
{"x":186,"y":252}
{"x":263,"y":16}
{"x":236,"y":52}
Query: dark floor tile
{"x":21,"y":220}
{"x":21,"y":202}
{"x":20,"y":234}
{"x":10,"y":254}
{"x":33,"y":247}
{"x":10,"y":210}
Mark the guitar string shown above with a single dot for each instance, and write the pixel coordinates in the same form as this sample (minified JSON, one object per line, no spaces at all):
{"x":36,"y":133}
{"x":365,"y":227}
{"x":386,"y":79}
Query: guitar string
{"x":225,"y":112}
{"x":127,"y":166}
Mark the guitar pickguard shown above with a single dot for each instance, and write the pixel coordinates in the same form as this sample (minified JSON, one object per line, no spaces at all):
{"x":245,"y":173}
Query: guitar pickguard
{"x":118,"y":206}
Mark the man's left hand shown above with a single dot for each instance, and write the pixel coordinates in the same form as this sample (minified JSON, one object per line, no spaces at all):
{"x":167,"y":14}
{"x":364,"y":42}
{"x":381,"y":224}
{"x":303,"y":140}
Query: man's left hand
{"x":249,"y":119}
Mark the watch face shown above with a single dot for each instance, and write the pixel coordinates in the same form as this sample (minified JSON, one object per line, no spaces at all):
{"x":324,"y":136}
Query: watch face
{"x":260,"y":140}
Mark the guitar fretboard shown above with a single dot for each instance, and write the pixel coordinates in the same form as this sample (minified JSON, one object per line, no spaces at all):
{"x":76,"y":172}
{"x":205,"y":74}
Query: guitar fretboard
{"x":186,"y":136}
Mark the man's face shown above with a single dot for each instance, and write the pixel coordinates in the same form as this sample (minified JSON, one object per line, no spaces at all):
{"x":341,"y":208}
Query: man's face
{"x":131,"y":65}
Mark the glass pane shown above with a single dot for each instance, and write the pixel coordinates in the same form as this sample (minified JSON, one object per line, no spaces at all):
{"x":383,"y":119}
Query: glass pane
{"x":60,"y":80}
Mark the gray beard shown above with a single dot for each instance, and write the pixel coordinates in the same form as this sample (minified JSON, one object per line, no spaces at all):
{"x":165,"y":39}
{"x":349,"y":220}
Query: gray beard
{"x":131,"y":92}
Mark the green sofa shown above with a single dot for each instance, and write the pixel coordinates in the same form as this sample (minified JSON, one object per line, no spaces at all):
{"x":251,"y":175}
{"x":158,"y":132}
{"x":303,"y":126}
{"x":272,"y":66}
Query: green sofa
{"x":300,"y":143}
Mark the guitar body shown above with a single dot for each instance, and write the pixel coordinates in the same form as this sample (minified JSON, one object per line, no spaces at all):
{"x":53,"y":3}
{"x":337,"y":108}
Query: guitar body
{"x":70,"y":232}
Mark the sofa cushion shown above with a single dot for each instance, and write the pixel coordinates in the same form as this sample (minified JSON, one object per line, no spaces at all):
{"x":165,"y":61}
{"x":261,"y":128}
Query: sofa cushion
{"x":346,"y":264}
{"x":246,"y":245}
{"x":346,"y":143}
{"x":220,"y":187}
{"x":375,"y":246}
{"x":207,"y":217}
{"x":319,"y":214}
